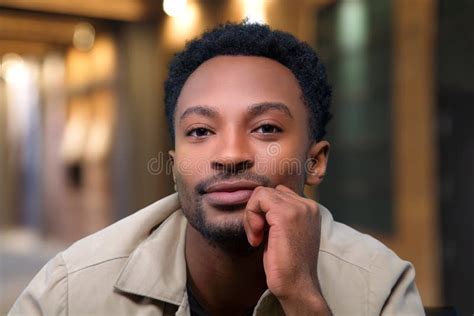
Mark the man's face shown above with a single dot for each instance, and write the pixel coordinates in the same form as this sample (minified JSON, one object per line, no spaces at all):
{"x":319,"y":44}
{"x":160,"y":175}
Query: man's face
{"x":240,"y":122}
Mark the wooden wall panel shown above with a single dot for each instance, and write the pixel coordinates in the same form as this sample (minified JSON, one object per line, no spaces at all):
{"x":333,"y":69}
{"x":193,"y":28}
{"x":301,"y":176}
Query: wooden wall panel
{"x":416,"y":207}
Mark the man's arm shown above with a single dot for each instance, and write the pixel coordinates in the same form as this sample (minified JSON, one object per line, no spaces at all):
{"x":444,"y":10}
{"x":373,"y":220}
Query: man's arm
{"x":47,"y":293}
{"x":291,"y":251}
{"x":393,"y":290}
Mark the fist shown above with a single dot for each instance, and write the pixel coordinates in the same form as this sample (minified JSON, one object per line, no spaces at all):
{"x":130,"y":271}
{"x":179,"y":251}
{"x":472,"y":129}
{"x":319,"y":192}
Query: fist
{"x":289,"y":225}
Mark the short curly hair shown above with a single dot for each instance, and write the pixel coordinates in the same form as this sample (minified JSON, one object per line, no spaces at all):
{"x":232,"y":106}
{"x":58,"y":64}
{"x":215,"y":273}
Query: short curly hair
{"x":251,"y":39}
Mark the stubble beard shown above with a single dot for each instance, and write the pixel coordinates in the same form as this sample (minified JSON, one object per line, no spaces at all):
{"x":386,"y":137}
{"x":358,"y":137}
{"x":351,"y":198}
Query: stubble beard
{"x":229,"y":236}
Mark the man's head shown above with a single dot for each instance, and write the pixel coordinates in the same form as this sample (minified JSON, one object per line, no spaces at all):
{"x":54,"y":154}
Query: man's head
{"x":247,"y":106}
{"x":255,"y":40}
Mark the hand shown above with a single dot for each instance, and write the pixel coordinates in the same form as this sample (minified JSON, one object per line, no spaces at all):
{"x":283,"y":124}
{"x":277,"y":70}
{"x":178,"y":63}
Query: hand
{"x":291,"y":251}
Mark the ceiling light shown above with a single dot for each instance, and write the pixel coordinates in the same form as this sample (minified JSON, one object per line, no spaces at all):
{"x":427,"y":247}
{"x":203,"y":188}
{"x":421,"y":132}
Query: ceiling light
{"x":174,"y":8}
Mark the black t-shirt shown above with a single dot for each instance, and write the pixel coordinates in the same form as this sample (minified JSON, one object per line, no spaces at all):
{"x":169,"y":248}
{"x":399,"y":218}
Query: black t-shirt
{"x":196,"y":308}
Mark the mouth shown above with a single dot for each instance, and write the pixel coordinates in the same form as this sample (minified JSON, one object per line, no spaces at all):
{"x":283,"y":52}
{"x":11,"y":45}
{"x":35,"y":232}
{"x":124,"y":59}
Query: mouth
{"x":229,"y":193}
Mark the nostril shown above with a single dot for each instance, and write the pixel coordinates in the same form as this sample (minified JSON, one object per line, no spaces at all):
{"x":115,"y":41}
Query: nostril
{"x":247,"y":164}
{"x":232,"y":167}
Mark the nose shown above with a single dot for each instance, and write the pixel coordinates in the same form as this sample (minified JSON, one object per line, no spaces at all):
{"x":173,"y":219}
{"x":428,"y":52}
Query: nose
{"x":233,"y":154}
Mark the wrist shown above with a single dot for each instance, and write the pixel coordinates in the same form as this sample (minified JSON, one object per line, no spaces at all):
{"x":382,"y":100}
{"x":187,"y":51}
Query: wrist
{"x":304,"y":304}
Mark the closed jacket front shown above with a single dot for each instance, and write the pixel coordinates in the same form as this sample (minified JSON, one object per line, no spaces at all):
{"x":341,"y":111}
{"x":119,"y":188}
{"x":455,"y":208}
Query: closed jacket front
{"x":137,"y":266}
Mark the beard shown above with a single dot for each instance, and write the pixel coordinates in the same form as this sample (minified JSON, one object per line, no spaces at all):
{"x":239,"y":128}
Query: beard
{"x":230,"y":235}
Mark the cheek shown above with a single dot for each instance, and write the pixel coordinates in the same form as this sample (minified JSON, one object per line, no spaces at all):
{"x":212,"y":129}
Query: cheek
{"x":184,"y":171}
{"x":281,"y":164}
{"x":191,"y":166}
{"x":185,"y":190}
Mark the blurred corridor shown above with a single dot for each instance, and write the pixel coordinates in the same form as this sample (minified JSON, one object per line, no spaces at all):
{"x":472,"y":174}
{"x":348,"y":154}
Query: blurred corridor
{"x":84,"y":140}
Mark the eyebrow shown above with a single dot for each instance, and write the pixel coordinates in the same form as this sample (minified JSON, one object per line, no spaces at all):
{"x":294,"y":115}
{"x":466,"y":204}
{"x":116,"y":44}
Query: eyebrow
{"x":254,"y":110}
{"x":261,"y":108}
{"x":199,"y":110}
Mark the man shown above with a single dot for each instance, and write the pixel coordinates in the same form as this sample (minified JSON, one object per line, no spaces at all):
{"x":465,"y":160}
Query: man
{"x":247,"y":109}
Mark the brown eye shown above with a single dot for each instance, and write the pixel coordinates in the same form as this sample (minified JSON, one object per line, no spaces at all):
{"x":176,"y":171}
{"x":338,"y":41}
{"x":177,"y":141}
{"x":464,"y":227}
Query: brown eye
{"x":268,"y":129}
{"x":198,"y":132}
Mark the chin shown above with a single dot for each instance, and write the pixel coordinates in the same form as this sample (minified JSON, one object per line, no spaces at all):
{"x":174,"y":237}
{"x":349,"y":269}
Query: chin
{"x":225,"y":221}
{"x":225,"y":231}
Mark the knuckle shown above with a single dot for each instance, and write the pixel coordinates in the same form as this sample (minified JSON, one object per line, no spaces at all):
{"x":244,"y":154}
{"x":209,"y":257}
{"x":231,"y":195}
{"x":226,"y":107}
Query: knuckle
{"x":312,"y":205}
{"x":260,"y":190}
{"x":280,"y":186}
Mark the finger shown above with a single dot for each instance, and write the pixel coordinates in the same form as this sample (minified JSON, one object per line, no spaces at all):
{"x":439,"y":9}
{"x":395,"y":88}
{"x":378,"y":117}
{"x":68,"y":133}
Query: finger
{"x":254,"y":218}
{"x":254,"y":225}
{"x":285,"y":189}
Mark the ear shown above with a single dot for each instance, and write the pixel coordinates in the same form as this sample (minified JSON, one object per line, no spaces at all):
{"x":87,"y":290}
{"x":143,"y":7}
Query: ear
{"x":172,"y":154}
{"x":316,"y":162}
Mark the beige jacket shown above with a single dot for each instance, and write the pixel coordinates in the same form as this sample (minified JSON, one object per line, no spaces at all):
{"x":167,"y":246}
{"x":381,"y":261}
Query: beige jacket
{"x":137,"y":267}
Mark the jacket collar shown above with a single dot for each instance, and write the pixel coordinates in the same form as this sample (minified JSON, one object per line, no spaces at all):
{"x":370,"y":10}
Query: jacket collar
{"x":157,"y":267}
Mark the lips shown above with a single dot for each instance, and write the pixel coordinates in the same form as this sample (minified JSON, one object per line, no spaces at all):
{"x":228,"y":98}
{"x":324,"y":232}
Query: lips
{"x":229,"y":193}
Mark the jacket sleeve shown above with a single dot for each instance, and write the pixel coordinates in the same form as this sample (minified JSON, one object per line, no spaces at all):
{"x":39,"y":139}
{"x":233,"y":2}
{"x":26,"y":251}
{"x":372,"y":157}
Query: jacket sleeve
{"x":392,"y":287}
{"x":47,"y":293}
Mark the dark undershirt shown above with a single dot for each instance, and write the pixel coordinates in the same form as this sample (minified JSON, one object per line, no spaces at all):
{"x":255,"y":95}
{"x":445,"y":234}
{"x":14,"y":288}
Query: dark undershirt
{"x":196,"y":308}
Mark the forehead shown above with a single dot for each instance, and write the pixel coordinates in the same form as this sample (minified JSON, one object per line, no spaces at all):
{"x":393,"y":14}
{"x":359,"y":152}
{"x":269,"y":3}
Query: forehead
{"x":238,"y":81}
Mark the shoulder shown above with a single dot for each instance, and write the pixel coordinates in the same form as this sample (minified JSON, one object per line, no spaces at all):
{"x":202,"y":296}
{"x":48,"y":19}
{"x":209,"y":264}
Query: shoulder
{"x":88,"y":269}
{"x":46,"y":293}
{"x":365,"y":271}
{"x":353,"y":247}
{"x":120,"y":239}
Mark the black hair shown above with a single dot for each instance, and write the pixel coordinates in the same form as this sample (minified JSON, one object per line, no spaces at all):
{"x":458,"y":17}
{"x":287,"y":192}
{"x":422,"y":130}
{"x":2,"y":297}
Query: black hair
{"x":249,"y":39}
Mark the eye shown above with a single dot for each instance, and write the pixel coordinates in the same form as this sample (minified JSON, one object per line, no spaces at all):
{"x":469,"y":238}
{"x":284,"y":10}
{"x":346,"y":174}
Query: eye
{"x":198,"y":132}
{"x":268,"y":129}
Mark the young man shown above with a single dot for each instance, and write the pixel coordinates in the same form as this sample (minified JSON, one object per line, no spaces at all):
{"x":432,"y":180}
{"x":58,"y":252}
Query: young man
{"x":247,"y":109}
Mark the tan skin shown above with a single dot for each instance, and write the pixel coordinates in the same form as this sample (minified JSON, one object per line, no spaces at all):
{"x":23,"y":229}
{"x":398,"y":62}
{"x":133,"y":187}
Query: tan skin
{"x":283,"y":225}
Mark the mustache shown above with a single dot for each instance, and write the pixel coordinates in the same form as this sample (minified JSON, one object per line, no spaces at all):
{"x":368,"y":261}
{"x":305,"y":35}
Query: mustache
{"x":202,"y":186}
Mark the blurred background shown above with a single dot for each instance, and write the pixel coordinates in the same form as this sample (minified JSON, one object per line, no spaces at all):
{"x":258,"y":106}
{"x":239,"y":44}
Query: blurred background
{"x":83,"y":136}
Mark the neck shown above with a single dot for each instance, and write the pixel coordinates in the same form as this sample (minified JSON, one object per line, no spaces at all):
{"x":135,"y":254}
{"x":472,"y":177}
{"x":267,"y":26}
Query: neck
{"x":223,"y":282}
